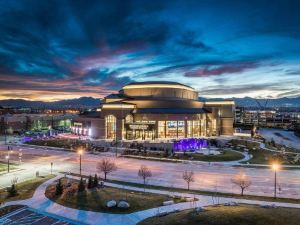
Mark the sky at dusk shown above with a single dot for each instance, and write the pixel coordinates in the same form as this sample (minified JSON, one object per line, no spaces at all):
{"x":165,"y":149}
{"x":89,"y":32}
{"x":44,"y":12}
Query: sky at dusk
{"x":52,"y":50}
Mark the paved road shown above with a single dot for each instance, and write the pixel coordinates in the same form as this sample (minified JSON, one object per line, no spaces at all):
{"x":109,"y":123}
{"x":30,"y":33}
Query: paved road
{"x":213,"y":178}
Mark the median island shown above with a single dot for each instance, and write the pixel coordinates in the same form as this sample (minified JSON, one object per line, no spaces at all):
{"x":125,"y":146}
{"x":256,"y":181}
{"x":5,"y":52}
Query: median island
{"x":222,"y":156}
{"x":102,"y":198}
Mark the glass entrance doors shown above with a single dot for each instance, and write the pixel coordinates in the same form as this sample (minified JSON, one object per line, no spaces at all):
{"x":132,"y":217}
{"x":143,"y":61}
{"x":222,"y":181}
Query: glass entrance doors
{"x":140,"y":134}
{"x":171,"y":129}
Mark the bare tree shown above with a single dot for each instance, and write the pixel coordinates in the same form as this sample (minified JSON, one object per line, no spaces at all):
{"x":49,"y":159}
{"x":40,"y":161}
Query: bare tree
{"x":144,"y":172}
{"x":14,"y":181}
{"x":188,"y":176}
{"x":241,"y":180}
{"x":106,"y":166}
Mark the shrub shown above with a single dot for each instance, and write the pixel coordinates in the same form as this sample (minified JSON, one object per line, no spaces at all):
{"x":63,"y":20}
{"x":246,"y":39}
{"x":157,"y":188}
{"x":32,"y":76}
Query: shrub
{"x":81,"y":186}
{"x":12,"y":191}
{"x":90,"y":182}
{"x":70,"y":192}
{"x":96,"y":181}
{"x":59,"y":188}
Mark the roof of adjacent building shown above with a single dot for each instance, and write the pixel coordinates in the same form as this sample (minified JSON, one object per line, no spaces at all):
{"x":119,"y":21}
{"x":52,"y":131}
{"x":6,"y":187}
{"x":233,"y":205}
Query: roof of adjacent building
{"x":93,"y":114}
{"x":172,"y":110}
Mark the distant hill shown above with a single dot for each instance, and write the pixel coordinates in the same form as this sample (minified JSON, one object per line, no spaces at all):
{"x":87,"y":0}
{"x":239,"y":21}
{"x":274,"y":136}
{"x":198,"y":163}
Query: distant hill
{"x":83,"y":102}
{"x":89,"y":102}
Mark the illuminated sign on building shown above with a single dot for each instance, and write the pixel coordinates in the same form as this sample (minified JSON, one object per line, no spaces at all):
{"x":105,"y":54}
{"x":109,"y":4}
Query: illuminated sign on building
{"x":174,"y":124}
{"x":139,"y":126}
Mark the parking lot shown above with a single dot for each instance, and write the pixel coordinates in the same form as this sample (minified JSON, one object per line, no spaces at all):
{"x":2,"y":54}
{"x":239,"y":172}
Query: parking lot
{"x":27,"y":216}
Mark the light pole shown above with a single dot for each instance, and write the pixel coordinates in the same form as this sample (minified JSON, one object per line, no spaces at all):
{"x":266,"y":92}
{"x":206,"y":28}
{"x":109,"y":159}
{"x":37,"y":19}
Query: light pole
{"x":80,"y":152}
{"x":20,"y":156}
{"x":275,"y":167}
{"x":51,"y":165}
{"x":7,"y":157}
{"x":5,"y":136}
{"x":116,"y":146}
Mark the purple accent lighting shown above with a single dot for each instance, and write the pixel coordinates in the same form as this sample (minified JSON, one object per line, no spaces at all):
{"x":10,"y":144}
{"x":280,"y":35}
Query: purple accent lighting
{"x":27,"y":139}
{"x":190,"y":144}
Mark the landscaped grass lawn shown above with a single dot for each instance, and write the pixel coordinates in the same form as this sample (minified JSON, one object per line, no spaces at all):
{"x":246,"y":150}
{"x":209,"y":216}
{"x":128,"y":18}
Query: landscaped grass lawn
{"x":230,"y":215}
{"x":66,"y":144}
{"x":267,"y":157}
{"x":25,"y":189}
{"x":96,"y":199}
{"x":226,"y":155}
{"x":202,"y":192}
{"x":57,"y":142}
{"x":262,"y":156}
{"x":3,"y":166}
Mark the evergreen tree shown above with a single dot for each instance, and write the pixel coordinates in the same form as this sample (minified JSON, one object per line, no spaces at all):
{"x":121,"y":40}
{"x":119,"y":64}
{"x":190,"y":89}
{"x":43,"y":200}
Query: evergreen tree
{"x":59,"y":188}
{"x":12,"y":191}
{"x":96,"y":181}
{"x":81,"y":186}
{"x":90,"y":182}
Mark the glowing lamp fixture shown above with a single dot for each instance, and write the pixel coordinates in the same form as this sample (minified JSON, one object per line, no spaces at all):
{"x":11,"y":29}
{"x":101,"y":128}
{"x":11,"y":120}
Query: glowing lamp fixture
{"x":80,"y":152}
{"x":275,"y":166}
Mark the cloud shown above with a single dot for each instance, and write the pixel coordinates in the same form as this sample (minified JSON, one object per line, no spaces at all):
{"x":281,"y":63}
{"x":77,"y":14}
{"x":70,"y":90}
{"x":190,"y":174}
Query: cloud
{"x":271,"y":90}
{"x":216,"y":70}
{"x":189,"y":39}
{"x":92,"y":48}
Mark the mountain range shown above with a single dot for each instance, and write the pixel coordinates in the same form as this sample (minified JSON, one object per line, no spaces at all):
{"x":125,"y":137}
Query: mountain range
{"x":83,"y":102}
{"x":89,"y":102}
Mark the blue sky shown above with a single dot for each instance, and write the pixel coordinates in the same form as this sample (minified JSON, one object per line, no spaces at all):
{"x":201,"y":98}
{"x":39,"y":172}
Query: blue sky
{"x":52,"y":50}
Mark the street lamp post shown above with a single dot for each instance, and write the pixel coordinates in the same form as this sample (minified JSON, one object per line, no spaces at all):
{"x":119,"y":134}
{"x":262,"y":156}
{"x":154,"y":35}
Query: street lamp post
{"x":80,"y":152}
{"x":20,"y":156}
{"x":51,"y":164}
{"x":275,"y":167}
{"x":5,"y":136}
{"x":116,"y":146}
{"x":7,"y":157}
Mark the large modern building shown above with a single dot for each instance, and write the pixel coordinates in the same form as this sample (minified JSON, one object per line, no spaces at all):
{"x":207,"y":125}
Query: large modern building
{"x":156,"y":110}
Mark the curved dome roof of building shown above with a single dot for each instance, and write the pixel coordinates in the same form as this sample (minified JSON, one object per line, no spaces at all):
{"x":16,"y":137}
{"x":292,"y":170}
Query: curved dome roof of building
{"x":161,"y":89}
{"x":158,"y":84}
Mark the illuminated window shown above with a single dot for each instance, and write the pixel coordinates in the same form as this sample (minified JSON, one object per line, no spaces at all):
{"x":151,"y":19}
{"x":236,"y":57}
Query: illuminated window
{"x":110,"y":126}
{"x":161,"y":129}
{"x":194,"y":128}
{"x":175,"y":129}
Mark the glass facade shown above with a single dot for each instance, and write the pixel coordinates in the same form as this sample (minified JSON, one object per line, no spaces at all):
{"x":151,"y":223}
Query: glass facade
{"x":163,"y":129}
{"x":181,"y":129}
{"x":194,"y":128}
{"x":171,"y":129}
{"x":110,"y":126}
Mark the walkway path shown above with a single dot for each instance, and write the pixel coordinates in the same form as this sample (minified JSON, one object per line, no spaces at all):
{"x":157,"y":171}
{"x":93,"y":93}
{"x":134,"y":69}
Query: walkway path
{"x":41,"y":203}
